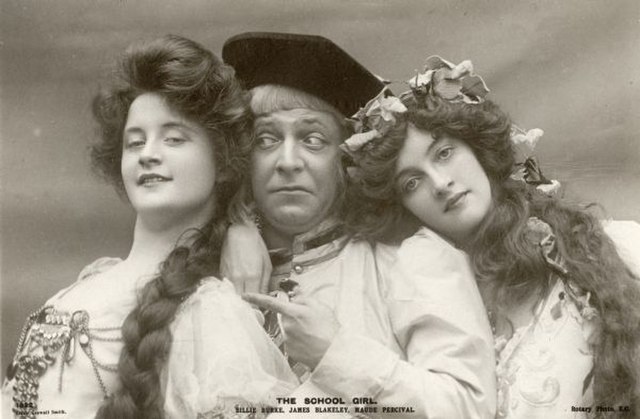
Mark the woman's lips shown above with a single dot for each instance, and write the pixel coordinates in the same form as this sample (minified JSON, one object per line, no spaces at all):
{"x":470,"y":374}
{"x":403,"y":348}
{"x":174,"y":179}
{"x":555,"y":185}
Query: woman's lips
{"x":454,"y":201}
{"x":152,"y":178}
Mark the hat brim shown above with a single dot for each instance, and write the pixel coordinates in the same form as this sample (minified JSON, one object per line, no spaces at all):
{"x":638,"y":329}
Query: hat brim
{"x":309,"y":63}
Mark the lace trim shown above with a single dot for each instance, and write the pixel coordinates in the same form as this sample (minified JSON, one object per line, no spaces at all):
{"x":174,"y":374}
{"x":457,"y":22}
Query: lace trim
{"x":565,"y":298}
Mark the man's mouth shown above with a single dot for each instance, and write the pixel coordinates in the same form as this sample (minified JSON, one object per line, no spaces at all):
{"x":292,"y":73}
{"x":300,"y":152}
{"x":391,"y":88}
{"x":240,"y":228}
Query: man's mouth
{"x":455,"y":200}
{"x":151,"y":179}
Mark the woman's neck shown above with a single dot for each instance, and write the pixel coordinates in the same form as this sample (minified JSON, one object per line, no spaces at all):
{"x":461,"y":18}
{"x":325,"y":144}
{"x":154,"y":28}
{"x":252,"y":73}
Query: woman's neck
{"x":153,"y":242}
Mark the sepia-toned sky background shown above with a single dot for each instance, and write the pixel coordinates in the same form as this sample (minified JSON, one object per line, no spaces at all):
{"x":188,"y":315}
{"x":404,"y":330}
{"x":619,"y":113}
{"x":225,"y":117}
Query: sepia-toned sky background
{"x":571,"y":67}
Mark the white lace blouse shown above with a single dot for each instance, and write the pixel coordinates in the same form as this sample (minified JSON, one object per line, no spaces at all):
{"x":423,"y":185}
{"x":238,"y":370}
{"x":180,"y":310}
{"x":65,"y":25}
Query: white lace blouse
{"x":220,"y":356}
{"x":544,"y":367}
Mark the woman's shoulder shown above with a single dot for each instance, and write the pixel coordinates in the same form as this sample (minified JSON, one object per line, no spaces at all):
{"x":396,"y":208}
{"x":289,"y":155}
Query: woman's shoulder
{"x":98,"y":266}
{"x":428,"y":247}
{"x":426,"y":262}
{"x":626,"y":236}
{"x":424,"y":236}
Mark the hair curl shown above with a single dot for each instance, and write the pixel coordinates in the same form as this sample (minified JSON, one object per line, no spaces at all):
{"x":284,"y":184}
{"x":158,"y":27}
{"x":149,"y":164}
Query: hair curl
{"x":501,"y":254}
{"x":199,"y":86}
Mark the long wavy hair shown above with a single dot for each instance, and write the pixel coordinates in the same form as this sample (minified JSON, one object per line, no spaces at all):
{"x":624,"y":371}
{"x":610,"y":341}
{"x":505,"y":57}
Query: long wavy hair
{"x":501,"y":253}
{"x":199,"y":86}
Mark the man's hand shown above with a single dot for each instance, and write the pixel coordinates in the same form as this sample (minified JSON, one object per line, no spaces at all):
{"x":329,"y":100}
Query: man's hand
{"x":245,"y":259}
{"x":309,"y":325}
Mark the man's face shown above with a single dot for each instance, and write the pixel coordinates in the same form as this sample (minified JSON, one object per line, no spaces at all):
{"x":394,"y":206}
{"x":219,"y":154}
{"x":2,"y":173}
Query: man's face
{"x":295,"y":168}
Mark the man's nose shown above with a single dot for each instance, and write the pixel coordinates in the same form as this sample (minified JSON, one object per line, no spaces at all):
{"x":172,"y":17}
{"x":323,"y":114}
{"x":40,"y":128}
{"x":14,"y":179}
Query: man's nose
{"x":150,"y":153}
{"x":289,"y":159}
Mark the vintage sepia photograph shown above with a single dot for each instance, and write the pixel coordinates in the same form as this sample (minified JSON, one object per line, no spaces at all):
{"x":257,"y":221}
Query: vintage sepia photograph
{"x":362,"y":208}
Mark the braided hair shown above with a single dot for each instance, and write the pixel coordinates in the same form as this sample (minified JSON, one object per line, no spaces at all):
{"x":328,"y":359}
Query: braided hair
{"x":198,"y":85}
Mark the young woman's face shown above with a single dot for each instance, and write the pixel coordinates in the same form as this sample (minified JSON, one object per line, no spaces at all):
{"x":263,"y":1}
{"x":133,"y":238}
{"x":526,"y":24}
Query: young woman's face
{"x":295,"y":174}
{"x":168,"y":165}
{"x":442,"y":183}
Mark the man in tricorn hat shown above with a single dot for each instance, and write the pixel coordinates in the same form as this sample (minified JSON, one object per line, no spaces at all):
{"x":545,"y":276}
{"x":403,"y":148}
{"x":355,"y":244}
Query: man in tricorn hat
{"x":334,"y":323}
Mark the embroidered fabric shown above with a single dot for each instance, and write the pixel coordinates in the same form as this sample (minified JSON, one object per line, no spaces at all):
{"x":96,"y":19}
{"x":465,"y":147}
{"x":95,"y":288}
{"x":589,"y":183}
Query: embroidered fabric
{"x":543,"y":368}
{"x":61,"y":347}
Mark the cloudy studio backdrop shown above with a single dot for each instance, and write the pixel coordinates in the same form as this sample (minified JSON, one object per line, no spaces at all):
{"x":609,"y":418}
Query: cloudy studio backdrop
{"x":569,"y":67}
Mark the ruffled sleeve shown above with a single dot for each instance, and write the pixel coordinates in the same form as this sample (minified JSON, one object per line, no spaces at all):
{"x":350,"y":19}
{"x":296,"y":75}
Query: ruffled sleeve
{"x":221,"y":358}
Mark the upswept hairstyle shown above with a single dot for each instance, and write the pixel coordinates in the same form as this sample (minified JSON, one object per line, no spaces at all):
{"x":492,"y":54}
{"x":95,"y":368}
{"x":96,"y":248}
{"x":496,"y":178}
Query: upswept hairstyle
{"x":199,"y":86}
{"x":501,"y":254}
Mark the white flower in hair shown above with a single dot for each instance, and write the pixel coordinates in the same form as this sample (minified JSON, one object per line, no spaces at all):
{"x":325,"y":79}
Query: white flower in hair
{"x":421,"y":79}
{"x":550,"y":189}
{"x":526,"y":141}
{"x":385,"y":108}
{"x":356,"y":141}
{"x":449,"y":81}
{"x":462,"y":69}
{"x":378,"y":115}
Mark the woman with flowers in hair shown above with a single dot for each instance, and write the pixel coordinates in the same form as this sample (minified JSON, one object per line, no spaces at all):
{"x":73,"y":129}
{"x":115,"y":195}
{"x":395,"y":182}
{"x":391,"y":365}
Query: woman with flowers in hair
{"x":157,"y":334}
{"x":563,"y":303}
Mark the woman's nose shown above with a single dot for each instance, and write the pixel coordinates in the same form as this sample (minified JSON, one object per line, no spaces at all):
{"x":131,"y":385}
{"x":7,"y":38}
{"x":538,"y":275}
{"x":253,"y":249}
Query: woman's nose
{"x":150,"y":154}
{"x":441,"y":182}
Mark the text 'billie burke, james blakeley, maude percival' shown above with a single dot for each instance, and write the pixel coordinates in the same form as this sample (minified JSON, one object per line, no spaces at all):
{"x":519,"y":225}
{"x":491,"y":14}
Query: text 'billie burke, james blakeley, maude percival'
{"x":324,"y":405}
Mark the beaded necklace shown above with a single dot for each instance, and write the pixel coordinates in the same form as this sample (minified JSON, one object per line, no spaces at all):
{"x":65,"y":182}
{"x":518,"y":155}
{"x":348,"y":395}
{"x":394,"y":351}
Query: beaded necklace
{"x":56,"y":333}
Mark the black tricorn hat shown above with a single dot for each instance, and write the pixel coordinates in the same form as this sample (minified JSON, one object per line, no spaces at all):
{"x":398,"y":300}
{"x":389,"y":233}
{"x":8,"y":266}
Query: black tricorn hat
{"x":309,"y":63}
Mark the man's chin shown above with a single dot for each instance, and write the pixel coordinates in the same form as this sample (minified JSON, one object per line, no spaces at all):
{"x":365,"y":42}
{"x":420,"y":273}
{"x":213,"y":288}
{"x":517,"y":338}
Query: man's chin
{"x":293,"y":220}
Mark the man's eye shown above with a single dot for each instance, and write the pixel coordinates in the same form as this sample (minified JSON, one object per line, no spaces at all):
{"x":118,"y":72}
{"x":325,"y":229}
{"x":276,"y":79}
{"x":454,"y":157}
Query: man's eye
{"x":314,"y":141}
{"x":266,"y":141}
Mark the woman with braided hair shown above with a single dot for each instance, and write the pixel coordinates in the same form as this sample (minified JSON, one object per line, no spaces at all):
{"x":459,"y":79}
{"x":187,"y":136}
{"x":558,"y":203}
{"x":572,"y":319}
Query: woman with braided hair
{"x":156,"y":334}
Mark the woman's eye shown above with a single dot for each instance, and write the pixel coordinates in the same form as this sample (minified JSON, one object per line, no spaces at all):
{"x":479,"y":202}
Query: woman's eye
{"x":410,"y":185}
{"x":314,"y":141}
{"x":134,"y":143}
{"x":174,"y":140}
{"x":266,"y":141}
{"x":444,"y":153}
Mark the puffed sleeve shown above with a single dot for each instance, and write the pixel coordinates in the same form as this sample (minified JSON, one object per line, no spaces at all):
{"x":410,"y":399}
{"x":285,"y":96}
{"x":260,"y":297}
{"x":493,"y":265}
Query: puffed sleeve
{"x":439,"y":320}
{"x":221,"y":358}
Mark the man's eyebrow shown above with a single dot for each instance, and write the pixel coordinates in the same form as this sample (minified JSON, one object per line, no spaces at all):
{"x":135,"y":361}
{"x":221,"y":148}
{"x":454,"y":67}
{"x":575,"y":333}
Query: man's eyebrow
{"x":312,"y":120}
{"x":308,"y":120}
{"x":264,"y":120}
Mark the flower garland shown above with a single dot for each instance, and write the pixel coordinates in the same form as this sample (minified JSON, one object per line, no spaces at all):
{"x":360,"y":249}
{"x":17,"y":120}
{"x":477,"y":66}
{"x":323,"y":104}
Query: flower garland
{"x":454,"y":83}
